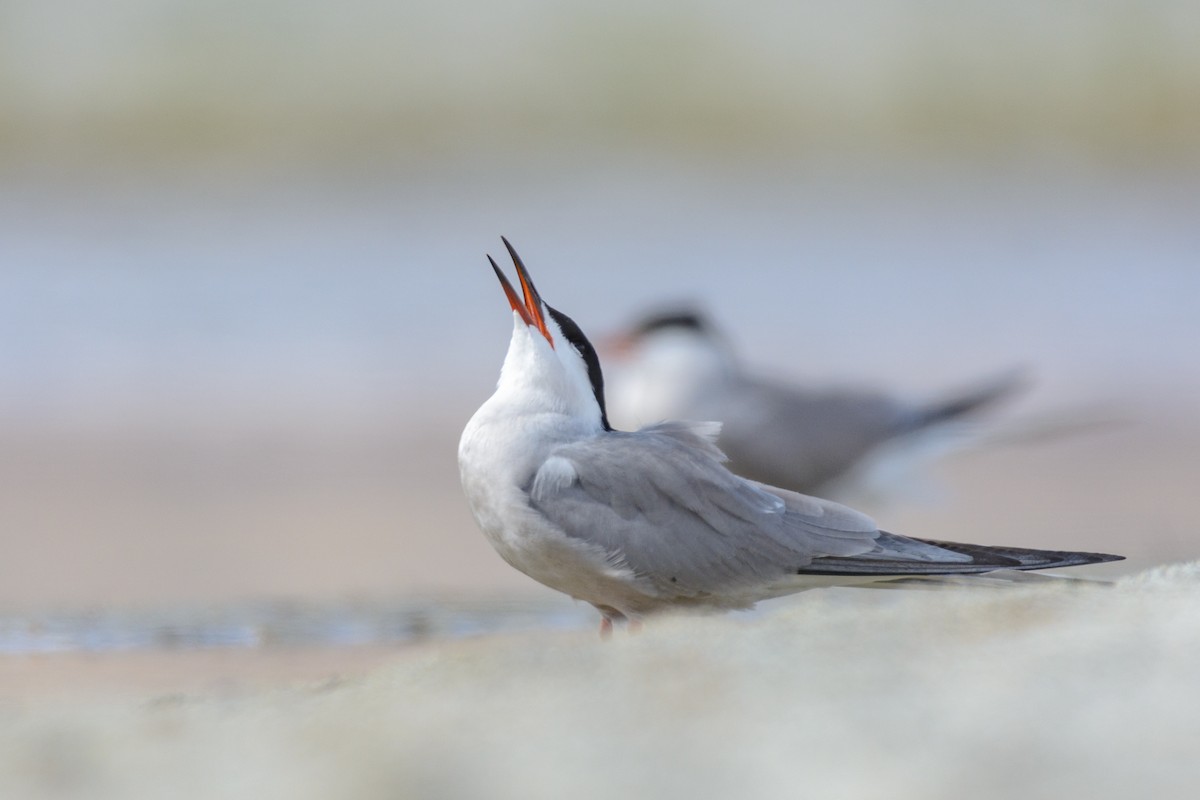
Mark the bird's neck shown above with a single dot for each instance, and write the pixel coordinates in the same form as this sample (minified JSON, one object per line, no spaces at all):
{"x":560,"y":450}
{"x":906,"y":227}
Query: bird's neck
{"x":540,"y":413}
{"x":512,"y":435}
{"x":541,"y":388}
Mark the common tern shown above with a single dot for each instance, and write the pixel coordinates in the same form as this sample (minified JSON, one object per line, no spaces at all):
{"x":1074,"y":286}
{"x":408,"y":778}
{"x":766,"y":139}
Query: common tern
{"x":641,"y":522}
{"x":841,"y":444}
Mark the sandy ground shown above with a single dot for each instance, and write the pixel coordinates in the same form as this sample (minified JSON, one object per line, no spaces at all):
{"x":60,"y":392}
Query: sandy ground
{"x":1037,"y":692}
{"x":36,"y":678}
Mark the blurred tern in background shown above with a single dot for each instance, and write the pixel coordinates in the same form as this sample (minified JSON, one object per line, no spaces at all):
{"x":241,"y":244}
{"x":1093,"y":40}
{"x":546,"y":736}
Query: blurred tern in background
{"x":641,"y":522}
{"x":842,"y":444}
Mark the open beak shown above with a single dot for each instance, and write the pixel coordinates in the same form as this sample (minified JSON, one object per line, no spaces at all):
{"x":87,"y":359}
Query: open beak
{"x":530,"y":310}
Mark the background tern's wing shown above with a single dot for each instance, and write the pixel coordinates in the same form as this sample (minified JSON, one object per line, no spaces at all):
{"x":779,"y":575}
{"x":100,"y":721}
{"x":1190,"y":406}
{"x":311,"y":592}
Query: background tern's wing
{"x":802,"y":440}
{"x":660,"y":503}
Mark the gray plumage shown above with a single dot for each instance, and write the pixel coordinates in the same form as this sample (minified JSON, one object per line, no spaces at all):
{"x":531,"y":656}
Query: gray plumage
{"x":662,"y":505}
{"x":809,"y":440}
{"x":636,"y":523}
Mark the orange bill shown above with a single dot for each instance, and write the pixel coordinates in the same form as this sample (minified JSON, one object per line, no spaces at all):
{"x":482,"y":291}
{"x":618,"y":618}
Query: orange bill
{"x":511,"y":293}
{"x":533,"y":300}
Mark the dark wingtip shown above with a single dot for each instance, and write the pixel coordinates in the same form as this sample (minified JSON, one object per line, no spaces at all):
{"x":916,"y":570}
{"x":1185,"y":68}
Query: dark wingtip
{"x":984,"y":558}
{"x":1025,"y":558}
{"x":977,"y":399}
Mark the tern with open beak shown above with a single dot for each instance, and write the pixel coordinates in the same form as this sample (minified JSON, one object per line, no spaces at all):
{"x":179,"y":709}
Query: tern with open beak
{"x":651,"y":520}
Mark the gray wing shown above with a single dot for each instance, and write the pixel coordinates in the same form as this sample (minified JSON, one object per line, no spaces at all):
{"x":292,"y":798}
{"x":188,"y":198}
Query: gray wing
{"x":802,"y":440}
{"x":660,"y":502}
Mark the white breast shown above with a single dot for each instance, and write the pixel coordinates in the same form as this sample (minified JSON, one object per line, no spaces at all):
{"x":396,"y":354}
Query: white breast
{"x":498,"y":456}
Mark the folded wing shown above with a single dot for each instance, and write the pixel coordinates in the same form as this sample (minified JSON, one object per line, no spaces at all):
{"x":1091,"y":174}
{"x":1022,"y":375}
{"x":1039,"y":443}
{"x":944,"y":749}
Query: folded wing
{"x":661,"y":504}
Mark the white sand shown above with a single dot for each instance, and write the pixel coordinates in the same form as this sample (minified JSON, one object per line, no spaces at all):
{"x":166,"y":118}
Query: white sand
{"x":1067,"y":690}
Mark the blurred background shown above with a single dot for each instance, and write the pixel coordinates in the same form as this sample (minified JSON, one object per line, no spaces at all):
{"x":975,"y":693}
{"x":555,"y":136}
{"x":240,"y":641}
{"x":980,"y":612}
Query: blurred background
{"x":245,"y":310}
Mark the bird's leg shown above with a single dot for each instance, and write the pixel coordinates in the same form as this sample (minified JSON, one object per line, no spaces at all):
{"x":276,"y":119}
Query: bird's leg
{"x":606,"y":628}
{"x":634,"y":626}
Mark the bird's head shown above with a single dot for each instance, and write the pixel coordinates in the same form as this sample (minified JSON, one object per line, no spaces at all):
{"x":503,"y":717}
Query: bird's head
{"x":550,"y":365}
{"x":677,"y":348}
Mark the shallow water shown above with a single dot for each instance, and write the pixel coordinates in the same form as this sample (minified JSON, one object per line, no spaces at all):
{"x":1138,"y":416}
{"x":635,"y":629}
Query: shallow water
{"x":281,"y":625}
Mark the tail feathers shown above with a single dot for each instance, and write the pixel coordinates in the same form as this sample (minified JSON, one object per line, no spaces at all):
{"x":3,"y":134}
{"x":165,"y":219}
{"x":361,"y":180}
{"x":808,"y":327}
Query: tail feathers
{"x":1022,"y":558}
{"x":998,"y":579}
{"x":983,"y":558}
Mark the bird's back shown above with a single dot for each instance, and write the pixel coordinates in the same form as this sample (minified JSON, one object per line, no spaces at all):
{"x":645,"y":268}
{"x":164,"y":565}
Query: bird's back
{"x":796,"y":439}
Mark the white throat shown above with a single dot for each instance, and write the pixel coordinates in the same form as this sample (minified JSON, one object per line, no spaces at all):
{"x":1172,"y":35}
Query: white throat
{"x":543,"y":399}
